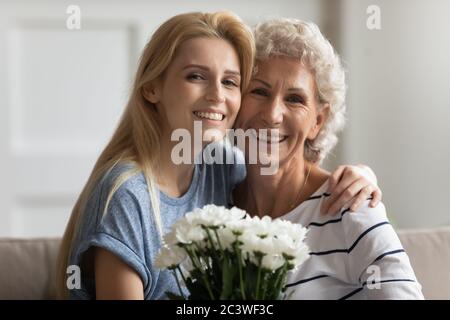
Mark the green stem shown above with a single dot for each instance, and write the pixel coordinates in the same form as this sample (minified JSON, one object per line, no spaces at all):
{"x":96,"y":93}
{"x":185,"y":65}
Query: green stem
{"x":215,"y":255}
{"x":204,"y":274}
{"x":218,"y":241}
{"x":279,"y":280}
{"x":264,"y":286}
{"x":241,"y":279}
{"x":210,"y":239}
{"x":258,"y":279}
{"x":182,"y":275}
{"x":178,"y":283}
{"x":194,"y":258}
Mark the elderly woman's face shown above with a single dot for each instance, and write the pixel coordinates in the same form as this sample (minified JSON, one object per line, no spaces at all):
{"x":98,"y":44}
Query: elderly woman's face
{"x":283,"y":95}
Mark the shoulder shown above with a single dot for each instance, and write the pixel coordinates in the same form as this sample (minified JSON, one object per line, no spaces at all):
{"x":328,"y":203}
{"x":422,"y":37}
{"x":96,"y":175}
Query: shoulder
{"x":119,"y":199}
{"x":367,"y":228}
{"x":368,"y":235}
{"x":362,"y":219}
{"x":129,"y":175}
{"x":123,"y":181}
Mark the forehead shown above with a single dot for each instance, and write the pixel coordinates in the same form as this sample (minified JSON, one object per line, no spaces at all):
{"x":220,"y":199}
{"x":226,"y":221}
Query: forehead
{"x":204,"y":50}
{"x":285,"y":72}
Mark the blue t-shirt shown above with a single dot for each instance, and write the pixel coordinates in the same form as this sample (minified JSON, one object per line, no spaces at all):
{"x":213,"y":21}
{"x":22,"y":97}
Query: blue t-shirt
{"x":129,"y":230}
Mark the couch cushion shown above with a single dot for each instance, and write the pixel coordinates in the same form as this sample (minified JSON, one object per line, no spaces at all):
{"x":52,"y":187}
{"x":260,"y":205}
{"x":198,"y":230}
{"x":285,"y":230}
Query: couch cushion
{"x":429,"y":252}
{"x":27,"y":268}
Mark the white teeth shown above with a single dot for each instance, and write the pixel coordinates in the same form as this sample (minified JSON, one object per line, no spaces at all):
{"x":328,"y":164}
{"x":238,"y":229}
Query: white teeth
{"x":209,"y":115}
{"x":269,"y":138}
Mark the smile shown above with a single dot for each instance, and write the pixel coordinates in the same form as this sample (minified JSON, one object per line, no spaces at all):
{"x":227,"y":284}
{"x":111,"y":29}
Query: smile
{"x":269,"y":138}
{"x":209,"y":115}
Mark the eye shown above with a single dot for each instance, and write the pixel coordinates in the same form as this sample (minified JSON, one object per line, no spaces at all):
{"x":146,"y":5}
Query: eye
{"x":295,"y":99}
{"x":230,"y":83}
{"x":195,"y":76}
{"x":260,"y":92}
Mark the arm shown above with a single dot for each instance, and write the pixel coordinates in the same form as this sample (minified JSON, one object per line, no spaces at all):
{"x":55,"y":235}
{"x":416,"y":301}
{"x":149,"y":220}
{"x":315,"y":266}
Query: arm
{"x":114,"y":279}
{"x":350,"y":186}
{"x":377,"y":261}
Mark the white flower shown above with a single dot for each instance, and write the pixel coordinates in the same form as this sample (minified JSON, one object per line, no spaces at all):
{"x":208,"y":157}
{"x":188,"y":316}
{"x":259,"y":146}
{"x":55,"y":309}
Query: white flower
{"x":301,"y":255}
{"x":208,"y":235}
{"x":169,"y":257}
{"x":293,"y":230}
{"x":214,"y":216}
{"x":254,"y":243}
{"x":272,"y":262}
{"x":183,"y":232}
{"x":226,"y":238}
{"x":262,"y":227}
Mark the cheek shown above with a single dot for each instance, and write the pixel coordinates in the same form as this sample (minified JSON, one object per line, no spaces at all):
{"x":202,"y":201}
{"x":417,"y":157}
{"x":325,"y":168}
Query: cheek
{"x":237,"y":101}
{"x":250,"y":108}
{"x":234,"y":105}
{"x":301,"y":126}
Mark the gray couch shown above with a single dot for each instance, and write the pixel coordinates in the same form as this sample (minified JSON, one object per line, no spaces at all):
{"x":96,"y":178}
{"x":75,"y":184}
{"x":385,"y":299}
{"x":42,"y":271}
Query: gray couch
{"x":27,"y":266}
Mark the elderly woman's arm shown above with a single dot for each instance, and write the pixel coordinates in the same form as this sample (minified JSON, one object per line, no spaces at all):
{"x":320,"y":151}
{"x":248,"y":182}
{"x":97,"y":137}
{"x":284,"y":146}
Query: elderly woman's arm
{"x":377,"y":262}
{"x":350,"y":186}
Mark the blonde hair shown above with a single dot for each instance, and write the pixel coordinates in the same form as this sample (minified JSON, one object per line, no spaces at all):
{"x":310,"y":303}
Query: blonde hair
{"x":137,"y":137}
{"x":304,"y":41}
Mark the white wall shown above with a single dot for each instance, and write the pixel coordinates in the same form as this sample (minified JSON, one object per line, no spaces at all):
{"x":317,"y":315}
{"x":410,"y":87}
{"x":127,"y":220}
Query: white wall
{"x":399,"y":104}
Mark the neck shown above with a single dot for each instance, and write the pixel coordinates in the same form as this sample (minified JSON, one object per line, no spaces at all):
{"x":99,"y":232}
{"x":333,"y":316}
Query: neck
{"x":173,"y":179}
{"x":276,"y":194}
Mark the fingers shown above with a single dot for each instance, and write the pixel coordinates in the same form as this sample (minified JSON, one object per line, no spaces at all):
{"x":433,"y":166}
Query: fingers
{"x":335,"y":177}
{"x":349,"y":188}
{"x":343,"y":195}
{"x":362,"y":196}
{"x":376,"y":197}
{"x":334,"y":180}
{"x":342,"y":178}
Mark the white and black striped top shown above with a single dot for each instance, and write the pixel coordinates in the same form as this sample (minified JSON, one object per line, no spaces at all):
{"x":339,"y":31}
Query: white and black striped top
{"x":354,"y":255}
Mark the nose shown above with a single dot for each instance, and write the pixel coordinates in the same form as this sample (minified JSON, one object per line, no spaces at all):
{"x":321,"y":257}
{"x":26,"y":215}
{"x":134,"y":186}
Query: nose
{"x":272,"y":113}
{"x":215,"y":93}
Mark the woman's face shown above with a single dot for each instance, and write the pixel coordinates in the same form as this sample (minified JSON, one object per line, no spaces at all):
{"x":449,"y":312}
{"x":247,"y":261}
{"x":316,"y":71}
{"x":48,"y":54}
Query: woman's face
{"x":282,"y":95}
{"x":202,"y":83}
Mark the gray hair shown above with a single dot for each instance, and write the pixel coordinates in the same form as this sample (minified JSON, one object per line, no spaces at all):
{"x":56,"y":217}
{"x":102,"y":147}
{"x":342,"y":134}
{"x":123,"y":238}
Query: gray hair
{"x":303,"y":40}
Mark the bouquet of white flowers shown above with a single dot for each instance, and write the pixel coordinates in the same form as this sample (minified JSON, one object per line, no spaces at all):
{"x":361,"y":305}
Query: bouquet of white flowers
{"x":224,"y":253}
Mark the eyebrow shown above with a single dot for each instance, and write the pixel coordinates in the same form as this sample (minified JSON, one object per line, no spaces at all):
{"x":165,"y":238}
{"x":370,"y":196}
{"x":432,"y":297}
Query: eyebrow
{"x":301,"y":90}
{"x":199,"y":66}
{"x":263,"y":82}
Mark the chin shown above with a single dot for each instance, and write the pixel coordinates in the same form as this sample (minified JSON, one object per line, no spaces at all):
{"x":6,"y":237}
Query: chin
{"x":213,"y":134}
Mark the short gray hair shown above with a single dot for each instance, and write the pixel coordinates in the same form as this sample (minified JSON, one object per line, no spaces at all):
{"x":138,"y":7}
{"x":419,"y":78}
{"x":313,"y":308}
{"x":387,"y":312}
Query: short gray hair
{"x":303,"y":40}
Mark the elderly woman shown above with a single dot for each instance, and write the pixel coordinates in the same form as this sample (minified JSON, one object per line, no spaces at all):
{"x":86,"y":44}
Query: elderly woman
{"x":298,"y":91}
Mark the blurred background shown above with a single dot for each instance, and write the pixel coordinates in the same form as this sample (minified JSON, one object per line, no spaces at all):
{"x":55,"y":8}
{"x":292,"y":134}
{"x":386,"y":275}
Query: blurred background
{"x":63,"y":90}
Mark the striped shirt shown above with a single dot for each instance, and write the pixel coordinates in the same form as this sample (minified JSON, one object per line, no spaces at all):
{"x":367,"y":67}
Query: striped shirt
{"x":354,"y":255}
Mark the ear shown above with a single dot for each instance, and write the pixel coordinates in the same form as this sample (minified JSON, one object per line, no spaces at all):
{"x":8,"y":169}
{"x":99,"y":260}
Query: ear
{"x":321,"y":118}
{"x":152,"y":92}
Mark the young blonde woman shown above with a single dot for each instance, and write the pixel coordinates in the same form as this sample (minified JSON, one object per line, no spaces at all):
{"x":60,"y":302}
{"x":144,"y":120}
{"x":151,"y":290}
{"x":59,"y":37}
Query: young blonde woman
{"x":193,"y":69}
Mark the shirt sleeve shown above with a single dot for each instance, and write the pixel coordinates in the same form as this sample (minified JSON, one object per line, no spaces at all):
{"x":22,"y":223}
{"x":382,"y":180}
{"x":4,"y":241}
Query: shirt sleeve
{"x":119,"y":230}
{"x":377,"y":261}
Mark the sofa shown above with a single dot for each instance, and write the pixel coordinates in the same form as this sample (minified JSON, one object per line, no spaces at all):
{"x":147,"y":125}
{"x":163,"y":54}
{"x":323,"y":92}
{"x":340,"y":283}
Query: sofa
{"x":27,"y":266}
